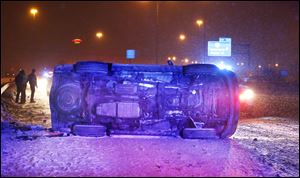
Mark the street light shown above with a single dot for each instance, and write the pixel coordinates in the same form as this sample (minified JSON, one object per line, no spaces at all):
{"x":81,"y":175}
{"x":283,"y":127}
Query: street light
{"x":157,"y":30}
{"x":174,"y":58}
{"x":182,"y":37}
{"x":276,"y":65}
{"x":99,"y":35}
{"x":186,"y":60}
{"x":33,"y":11}
{"x":199,"y":22}
{"x":259,"y":66}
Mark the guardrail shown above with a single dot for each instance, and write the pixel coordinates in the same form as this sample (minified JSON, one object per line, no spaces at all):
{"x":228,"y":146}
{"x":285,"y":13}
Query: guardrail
{"x":5,"y":80}
{"x":5,"y":86}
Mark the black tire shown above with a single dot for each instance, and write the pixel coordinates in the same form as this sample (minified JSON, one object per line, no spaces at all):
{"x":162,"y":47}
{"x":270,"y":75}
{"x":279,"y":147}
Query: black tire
{"x":199,"y":133}
{"x":200,"y":68}
{"x":91,"y":67}
{"x":89,"y":130}
{"x":232,"y":122}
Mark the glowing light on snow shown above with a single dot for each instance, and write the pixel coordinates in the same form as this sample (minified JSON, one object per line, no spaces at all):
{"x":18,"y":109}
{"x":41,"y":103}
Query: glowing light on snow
{"x":42,"y":84}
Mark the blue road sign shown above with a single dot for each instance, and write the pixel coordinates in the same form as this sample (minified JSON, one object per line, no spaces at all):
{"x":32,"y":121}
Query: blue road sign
{"x":130,"y":53}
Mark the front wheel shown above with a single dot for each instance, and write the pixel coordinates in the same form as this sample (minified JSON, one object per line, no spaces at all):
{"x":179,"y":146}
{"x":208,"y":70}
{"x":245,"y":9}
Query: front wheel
{"x":89,"y":130}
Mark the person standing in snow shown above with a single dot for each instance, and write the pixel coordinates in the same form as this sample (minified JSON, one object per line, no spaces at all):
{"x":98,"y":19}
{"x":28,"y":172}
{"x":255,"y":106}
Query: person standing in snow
{"x":21,"y":82}
{"x":33,"y":83}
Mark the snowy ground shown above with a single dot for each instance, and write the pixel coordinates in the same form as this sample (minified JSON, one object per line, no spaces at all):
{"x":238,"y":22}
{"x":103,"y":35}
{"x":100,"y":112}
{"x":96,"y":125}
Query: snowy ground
{"x":261,"y":146}
{"x":273,"y":141}
{"x":29,"y":113}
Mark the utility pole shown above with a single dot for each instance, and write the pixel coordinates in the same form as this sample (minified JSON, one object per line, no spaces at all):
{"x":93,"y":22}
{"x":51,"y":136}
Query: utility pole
{"x":204,"y":45}
{"x":156,"y":32}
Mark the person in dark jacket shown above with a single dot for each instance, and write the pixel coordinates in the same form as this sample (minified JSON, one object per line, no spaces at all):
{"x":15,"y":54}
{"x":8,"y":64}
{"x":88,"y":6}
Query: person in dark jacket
{"x":33,"y":83}
{"x":21,"y":82}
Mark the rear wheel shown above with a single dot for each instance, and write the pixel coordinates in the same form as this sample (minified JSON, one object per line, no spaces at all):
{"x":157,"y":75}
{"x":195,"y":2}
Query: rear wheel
{"x":68,"y":98}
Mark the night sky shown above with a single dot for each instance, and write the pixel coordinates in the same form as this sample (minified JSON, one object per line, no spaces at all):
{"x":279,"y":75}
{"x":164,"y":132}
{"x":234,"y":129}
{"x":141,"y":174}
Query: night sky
{"x":271,"y":29}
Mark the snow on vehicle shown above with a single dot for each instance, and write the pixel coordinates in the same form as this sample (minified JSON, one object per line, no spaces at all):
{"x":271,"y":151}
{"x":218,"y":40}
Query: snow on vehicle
{"x":193,"y":101}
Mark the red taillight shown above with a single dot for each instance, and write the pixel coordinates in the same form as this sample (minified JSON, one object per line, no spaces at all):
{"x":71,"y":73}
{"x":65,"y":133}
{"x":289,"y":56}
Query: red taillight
{"x":77,"y":41}
{"x":247,"y":94}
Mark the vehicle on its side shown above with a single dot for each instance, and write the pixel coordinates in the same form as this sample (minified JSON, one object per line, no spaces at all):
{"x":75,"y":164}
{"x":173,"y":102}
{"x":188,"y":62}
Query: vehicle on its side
{"x":193,"y":101}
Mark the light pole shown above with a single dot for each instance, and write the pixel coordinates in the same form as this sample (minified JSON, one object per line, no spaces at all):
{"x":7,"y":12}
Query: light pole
{"x":200,"y":23}
{"x":156,"y":31}
{"x":182,"y":38}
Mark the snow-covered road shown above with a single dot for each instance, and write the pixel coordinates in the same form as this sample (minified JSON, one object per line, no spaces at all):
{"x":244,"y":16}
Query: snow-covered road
{"x":264,"y":146}
{"x":273,"y":141}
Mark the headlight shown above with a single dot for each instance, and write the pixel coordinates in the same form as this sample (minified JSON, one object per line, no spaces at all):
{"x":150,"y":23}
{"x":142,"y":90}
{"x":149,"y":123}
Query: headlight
{"x":247,"y":94}
{"x":48,"y":74}
{"x":223,"y":66}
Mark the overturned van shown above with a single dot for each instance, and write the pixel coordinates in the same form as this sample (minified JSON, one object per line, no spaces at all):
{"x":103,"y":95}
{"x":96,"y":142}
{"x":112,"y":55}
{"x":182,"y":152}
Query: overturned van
{"x":193,"y":101}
